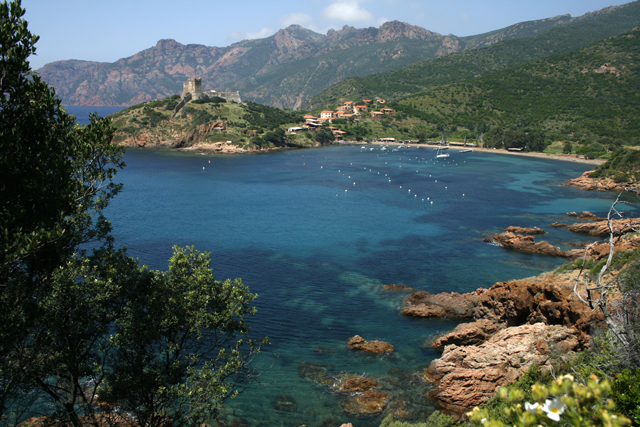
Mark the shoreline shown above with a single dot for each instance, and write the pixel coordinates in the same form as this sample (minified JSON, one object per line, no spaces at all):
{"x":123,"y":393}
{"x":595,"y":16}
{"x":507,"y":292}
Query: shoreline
{"x":562,"y":157}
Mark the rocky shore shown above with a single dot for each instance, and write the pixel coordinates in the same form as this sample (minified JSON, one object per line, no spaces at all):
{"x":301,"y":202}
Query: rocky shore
{"x":585,"y":182}
{"x":514,"y":324}
{"x":511,"y":326}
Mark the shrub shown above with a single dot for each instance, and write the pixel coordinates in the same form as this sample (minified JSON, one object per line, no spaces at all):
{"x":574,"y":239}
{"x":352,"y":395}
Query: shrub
{"x":626,"y":394}
{"x":436,"y":419}
{"x":563,"y":402}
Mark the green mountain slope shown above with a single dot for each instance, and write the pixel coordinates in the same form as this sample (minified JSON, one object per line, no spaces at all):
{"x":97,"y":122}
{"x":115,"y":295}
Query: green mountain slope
{"x":591,"y":91}
{"x":474,"y":63}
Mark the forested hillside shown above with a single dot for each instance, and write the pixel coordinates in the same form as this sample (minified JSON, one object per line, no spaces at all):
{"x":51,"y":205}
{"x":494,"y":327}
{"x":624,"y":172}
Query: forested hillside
{"x":471,"y":64}
{"x":591,"y":92}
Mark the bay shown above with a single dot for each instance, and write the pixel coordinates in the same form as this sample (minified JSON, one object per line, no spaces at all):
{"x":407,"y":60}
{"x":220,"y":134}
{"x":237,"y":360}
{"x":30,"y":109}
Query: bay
{"x":316,"y":233}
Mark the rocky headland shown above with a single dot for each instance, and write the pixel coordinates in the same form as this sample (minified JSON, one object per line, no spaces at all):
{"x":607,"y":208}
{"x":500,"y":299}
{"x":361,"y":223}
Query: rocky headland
{"x":514,"y":324}
{"x":586,"y":182}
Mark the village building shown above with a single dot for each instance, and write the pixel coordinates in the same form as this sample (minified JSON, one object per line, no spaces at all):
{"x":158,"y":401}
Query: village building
{"x":361,"y":108}
{"x":388,"y":111}
{"x":326,"y":114}
{"x":377,"y":115}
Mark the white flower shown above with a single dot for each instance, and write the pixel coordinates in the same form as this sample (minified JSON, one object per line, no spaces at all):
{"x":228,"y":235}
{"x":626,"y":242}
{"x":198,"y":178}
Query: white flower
{"x":531,"y":408}
{"x":554,"y":408}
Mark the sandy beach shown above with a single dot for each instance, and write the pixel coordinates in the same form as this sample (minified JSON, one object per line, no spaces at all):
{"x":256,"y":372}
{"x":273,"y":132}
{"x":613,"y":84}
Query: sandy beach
{"x":563,"y":157}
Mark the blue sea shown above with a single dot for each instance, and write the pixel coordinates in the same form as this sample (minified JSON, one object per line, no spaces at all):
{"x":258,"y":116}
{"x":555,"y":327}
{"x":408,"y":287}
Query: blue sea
{"x":317,"y":232}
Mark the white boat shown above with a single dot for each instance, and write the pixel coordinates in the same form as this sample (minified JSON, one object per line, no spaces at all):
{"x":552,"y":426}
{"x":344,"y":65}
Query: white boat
{"x":467,"y":150}
{"x":441,"y":155}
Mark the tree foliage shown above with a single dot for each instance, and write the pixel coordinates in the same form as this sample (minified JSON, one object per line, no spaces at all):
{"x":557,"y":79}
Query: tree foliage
{"x":78,"y":316}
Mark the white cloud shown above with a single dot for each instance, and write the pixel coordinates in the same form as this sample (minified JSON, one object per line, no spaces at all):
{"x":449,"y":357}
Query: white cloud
{"x":348,"y":11}
{"x":237,"y":36}
{"x":300,"y":19}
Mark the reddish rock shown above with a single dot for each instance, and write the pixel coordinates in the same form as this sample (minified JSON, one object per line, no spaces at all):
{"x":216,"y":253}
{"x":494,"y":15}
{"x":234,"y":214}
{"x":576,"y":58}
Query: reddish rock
{"x":397,"y":287}
{"x":374,"y":346}
{"x":585,"y":215}
{"x":525,"y":230}
{"x":370,"y":403}
{"x":585,"y":182}
{"x":601,"y":228}
{"x":467,"y":334}
{"x":424,"y":304}
{"x":469,"y":375}
{"x":528,"y":244}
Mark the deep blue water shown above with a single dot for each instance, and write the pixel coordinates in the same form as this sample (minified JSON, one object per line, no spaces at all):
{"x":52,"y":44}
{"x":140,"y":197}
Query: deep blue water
{"x":316,"y":233}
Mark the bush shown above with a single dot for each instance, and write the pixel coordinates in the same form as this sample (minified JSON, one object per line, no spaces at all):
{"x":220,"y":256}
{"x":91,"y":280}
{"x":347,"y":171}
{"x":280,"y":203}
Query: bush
{"x":436,"y":419}
{"x":626,"y":394}
{"x":563,"y":402}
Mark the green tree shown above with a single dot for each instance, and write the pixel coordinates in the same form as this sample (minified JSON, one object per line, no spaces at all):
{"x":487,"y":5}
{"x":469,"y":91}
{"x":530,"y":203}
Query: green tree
{"x":55,"y":181}
{"x":67,"y":297}
{"x":180,"y":347}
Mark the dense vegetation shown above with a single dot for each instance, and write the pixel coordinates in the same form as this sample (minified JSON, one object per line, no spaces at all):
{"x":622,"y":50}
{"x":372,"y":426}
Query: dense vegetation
{"x":623,"y":166}
{"x":589,"y":93}
{"x":470,"y":64}
{"x":87,"y":335}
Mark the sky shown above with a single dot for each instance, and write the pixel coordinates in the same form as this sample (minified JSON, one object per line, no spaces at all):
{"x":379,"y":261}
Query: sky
{"x":107,"y":30}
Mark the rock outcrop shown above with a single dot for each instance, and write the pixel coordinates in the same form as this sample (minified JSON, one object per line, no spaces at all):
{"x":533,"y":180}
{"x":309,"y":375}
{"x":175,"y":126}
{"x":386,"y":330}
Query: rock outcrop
{"x":467,"y":334}
{"x":516,"y":324}
{"x":518,"y":242}
{"x":455,"y":305}
{"x":601,"y":228}
{"x":469,"y":375}
{"x":375,"y":346}
{"x":585,"y":182}
{"x":524,"y":230}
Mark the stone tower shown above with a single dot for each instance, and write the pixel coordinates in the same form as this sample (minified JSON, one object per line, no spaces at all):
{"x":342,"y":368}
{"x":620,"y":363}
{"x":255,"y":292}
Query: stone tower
{"x":192,"y":86}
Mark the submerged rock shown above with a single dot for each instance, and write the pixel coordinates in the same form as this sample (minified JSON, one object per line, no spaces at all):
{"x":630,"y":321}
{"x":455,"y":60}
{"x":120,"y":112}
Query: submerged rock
{"x":284,"y":403}
{"x":394,"y":287}
{"x":370,"y":403}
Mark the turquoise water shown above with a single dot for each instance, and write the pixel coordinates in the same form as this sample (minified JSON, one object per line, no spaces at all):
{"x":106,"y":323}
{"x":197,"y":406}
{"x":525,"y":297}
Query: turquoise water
{"x":316,"y":233}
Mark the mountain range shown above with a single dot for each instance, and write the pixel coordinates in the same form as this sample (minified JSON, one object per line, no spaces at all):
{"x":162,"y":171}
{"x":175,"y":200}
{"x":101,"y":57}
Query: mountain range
{"x":294,"y":65}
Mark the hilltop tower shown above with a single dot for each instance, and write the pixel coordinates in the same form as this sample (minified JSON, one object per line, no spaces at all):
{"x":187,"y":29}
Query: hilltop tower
{"x":192,"y":86}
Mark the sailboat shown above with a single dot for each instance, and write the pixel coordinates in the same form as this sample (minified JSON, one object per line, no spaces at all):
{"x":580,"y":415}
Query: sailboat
{"x":441,"y":155}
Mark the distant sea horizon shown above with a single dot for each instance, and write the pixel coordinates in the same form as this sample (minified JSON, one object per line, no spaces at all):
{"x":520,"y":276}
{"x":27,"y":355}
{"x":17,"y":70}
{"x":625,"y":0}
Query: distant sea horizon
{"x":82,"y":113}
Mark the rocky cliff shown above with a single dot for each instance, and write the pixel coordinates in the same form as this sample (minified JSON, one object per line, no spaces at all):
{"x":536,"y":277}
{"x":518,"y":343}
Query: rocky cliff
{"x":283,"y":70}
